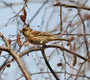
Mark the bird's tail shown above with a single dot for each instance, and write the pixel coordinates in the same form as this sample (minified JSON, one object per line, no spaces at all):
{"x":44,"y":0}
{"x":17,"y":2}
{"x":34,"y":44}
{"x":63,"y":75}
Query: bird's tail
{"x":58,"y":38}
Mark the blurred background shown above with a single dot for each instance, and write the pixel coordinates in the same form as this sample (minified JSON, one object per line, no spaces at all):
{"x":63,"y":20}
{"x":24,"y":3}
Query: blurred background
{"x":42,"y":15}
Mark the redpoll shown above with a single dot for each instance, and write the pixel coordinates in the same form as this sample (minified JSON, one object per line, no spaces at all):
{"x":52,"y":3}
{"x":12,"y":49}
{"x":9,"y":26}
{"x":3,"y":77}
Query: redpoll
{"x":39,"y":38}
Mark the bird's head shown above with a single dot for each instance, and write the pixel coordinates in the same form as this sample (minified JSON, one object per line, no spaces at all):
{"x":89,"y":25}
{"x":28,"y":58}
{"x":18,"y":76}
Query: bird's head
{"x":25,"y":30}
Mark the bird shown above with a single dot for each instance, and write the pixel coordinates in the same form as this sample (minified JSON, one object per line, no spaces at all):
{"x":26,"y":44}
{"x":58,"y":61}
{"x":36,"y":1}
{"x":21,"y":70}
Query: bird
{"x":39,"y":38}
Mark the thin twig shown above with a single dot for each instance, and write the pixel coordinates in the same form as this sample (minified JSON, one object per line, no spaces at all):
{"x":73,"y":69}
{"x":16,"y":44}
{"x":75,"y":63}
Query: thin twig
{"x":48,"y":65}
{"x":61,"y":19}
{"x":15,"y":56}
{"x":53,"y":46}
{"x":84,"y":30}
{"x":79,"y":70}
{"x":72,"y":6}
{"x":37,"y":11}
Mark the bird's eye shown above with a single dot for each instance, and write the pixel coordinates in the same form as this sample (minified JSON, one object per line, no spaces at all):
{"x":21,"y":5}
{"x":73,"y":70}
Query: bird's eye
{"x":25,"y":29}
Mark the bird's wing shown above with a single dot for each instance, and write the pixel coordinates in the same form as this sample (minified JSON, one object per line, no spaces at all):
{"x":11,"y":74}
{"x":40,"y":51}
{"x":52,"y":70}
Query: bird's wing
{"x":44,"y":34}
{"x":38,"y":33}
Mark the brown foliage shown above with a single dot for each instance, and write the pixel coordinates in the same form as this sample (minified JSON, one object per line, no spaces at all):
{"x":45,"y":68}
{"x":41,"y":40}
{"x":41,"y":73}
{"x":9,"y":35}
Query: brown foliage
{"x":18,"y":40}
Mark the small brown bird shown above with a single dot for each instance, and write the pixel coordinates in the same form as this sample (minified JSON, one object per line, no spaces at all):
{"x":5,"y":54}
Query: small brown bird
{"x":39,"y":38}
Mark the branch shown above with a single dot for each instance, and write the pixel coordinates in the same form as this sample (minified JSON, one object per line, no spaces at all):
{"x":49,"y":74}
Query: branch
{"x":19,"y":62}
{"x":84,"y":30}
{"x":61,"y":19}
{"x":72,"y":6}
{"x":5,"y":40}
{"x":71,"y":52}
{"x":4,"y":48}
{"x":48,"y":65}
{"x":25,"y":52}
{"x":53,"y":46}
{"x":78,"y":34}
{"x":15,"y":56}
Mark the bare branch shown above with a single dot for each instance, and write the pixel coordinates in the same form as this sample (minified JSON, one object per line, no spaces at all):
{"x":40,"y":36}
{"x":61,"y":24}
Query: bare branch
{"x":5,"y":40}
{"x":48,"y":65}
{"x":84,"y":30}
{"x":53,"y":46}
{"x":4,"y":48}
{"x":72,"y":6}
{"x":15,"y":56}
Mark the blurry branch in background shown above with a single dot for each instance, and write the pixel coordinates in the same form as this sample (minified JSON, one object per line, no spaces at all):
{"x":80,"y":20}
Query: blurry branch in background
{"x":43,"y":53}
{"x":79,"y":70}
{"x":52,"y":46}
{"x":25,"y":5}
{"x":71,"y":25}
{"x":84,"y":31}
{"x":72,"y":6}
{"x":38,"y":11}
{"x":57,"y":72}
{"x":48,"y":65}
{"x":61,"y":20}
{"x":15,"y":56}
{"x":20,"y":3}
{"x":25,"y":52}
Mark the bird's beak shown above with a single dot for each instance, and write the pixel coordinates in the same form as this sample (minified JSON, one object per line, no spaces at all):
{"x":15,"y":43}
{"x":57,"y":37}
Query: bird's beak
{"x":21,"y":31}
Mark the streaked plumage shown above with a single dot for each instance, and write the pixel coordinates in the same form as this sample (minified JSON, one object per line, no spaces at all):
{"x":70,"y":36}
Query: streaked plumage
{"x":39,"y":38}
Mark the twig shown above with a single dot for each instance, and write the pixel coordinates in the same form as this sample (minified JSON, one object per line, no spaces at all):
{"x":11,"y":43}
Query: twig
{"x":72,"y":6}
{"x":15,"y":56}
{"x":61,"y":19}
{"x":79,"y":70}
{"x":84,"y":30}
{"x":76,"y":34}
{"x":5,"y":40}
{"x":71,"y":74}
{"x":37,"y":11}
{"x":53,"y":46}
{"x":48,"y":65}
{"x":25,"y":52}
